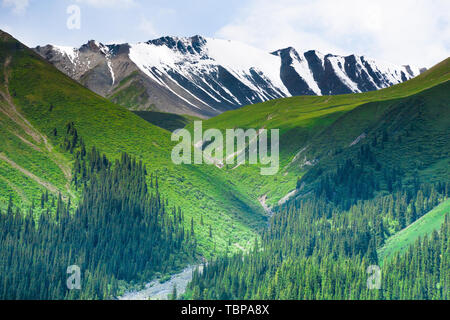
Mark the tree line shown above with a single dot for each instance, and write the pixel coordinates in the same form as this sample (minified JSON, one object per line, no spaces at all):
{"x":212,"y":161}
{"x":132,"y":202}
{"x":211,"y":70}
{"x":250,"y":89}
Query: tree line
{"x":314,"y":249}
{"x":121,"y":230}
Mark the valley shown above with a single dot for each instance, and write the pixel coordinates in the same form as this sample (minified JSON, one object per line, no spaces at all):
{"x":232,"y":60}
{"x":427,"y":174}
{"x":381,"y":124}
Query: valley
{"x":51,"y":105}
{"x":161,"y":290}
{"x":363,"y":175}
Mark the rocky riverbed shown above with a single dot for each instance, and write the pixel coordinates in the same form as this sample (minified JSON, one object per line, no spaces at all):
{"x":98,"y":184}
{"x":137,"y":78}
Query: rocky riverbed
{"x":155,"y":290}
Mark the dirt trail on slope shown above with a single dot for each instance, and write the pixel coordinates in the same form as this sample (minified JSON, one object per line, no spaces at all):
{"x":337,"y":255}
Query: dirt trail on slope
{"x":27,"y":142}
{"x":11,"y":111}
{"x":30,"y":175}
{"x":267,"y":209}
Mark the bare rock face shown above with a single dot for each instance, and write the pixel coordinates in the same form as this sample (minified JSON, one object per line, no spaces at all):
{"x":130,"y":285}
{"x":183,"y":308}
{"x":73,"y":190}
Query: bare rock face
{"x":205,"y":77}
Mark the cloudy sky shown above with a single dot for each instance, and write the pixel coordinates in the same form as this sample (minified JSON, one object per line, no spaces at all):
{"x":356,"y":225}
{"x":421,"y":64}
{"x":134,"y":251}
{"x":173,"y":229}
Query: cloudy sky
{"x":399,"y":31}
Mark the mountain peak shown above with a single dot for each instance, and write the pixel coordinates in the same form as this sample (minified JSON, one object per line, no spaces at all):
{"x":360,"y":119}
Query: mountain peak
{"x":184,"y":45}
{"x":7,"y":38}
{"x":287,"y":50}
{"x":206,"y":76}
{"x":4,"y":36}
{"x":93,"y":45}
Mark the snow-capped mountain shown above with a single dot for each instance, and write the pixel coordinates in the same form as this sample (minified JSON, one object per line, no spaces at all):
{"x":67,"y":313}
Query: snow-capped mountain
{"x":204,"y":77}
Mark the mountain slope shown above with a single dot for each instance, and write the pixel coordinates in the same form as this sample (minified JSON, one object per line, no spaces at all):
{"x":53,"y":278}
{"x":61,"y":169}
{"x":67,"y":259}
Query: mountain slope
{"x":29,"y":163}
{"x":168,"y":121}
{"x":401,"y":241}
{"x":311,"y":127}
{"x":368,"y":165}
{"x":205,"y":77}
{"x":49,"y":100}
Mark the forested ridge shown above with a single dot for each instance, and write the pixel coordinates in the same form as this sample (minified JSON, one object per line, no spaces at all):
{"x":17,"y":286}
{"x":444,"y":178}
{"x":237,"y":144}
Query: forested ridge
{"x":368,"y":166}
{"x":121,"y":231}
{"x":316,"y":247}
{"x":312,"y":250}
{"x":321,"y":242}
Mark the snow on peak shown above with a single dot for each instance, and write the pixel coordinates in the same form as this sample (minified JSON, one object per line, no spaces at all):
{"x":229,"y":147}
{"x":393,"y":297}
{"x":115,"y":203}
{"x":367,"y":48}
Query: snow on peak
{"x":301,"y":66}
{"x":241,"y":58}
{"x":197,"y":56}
{"x":69,"y":52}
{"x":217,"y":74}
{"x":338,"y":64}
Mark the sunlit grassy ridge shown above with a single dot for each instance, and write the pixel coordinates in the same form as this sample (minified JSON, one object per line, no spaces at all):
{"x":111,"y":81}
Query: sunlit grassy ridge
{"x":303,"y":121}
{"x":226,"y":198}
{"x":168,"y":121}
{"x":401,"y":241}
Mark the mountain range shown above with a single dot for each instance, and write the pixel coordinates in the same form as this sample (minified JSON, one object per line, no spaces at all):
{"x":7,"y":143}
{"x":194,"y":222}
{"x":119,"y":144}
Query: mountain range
{"x":204,"y":77}
{"x":364,"y":180}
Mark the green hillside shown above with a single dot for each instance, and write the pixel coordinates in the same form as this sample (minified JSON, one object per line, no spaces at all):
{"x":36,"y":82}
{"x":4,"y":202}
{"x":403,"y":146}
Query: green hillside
{"x":401,"y":241}
{"x":363,"y":168}
{"x":47,"y":101}
{"x":168,"y":121}
{"x":408,"y":135}
{"x":29,"y":162}
{"x":310,"y":126}
{"x":358,"y":173}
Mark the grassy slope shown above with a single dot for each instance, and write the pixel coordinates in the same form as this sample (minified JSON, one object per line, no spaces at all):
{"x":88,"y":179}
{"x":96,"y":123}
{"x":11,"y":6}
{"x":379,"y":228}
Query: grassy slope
{"x":226,"y":198}
{"x":29,"y":165}
{"x":130,"y":93}
{"x":300,"y":120}
{"x":418,"y":129}
{"x":401,"y":241}
{"x":168,"y":121}
{"x":36,"y":85}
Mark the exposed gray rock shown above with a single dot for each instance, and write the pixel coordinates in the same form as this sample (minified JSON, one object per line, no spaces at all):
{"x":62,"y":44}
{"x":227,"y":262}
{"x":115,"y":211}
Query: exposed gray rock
{"x":205,"y":77}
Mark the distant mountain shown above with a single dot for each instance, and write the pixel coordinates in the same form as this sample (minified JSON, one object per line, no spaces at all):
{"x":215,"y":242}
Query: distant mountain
{"x":204,"y":77}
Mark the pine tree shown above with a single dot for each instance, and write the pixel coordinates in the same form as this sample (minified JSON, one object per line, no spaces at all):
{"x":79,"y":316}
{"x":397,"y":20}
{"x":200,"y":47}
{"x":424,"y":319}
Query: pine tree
{"x":174,"y":294}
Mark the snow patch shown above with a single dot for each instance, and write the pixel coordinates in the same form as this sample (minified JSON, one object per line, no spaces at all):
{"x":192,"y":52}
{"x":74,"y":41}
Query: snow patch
{"x":69,"y":52}
{"x":108,"y":62}
{"x":338,"y":64}
{"x":240,"y":59}
{"x":302,"y":68}
{"x":391,"y":72}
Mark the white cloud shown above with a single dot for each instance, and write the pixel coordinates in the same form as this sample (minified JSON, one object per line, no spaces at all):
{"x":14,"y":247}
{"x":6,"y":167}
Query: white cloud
{"x":108,"y":3}
{"x":18,"y":6}
{"x":400,"y":31}
{"x":147,"y":28}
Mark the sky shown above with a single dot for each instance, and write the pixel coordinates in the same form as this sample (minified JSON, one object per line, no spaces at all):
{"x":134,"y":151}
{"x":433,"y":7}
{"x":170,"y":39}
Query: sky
{"x":415,"y":32}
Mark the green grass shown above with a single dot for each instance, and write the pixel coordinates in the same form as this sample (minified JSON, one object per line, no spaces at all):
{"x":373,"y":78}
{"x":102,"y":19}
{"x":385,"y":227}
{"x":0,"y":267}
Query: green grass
{"x":401,"y":241}
{"x":309,"y":120}
{"x":168,"y":121}
{"x":198,"y":190}
{"x":226,"y":198}
{"x":418,"y":130}
{"x":26,"y":152}
{"x":130,"y":93}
